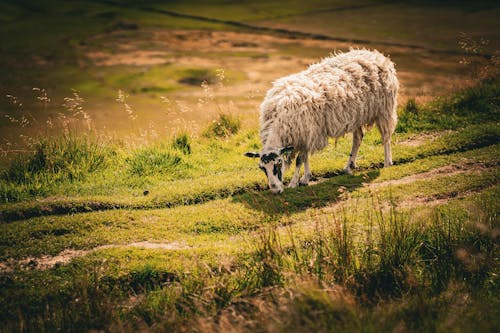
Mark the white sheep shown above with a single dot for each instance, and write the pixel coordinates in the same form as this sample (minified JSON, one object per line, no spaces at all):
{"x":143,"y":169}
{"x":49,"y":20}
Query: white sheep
{"x":341,"y":94}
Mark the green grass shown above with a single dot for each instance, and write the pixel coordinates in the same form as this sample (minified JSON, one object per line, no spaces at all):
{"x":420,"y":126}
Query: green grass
{"x":354,"y":251}
{"x":180,"y":234}
{"x":394,"y":261}
{"x":478,"y":104}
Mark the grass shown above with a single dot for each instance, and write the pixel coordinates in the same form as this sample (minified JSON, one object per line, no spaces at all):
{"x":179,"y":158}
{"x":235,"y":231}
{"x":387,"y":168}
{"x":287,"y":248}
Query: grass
{"x":394,"y":261}
{"x":473,"y":105}
{"x":216,"y":162}
{"x":226,"y":125}
{"x":178,"y":233}
{"x":378,"y":257}
{"x":405,"y":26}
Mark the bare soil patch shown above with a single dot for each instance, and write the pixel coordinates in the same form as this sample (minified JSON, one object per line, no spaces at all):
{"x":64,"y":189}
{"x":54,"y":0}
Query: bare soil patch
{"x":263,"y":58}
{"x":131,"y":58}
{"x":435,"y":200}
{"x":419,"y":139}
{"x":64,"y":257}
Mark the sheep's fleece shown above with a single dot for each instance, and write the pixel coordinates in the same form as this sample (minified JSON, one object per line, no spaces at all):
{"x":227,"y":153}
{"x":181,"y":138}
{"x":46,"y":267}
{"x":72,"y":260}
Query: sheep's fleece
{"x":341,"y":94}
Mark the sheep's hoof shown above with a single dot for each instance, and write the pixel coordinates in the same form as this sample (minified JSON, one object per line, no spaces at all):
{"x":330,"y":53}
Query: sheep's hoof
{"x":304,"y":181}
{"x":292,"y":185}
{"x":348,"y":171}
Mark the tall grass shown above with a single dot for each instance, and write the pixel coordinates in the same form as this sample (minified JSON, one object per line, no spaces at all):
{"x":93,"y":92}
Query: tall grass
{"x":66,"y":158}
{"x":395,"y":254}
{"x":377,"y":274}
{"x":182,"y":143}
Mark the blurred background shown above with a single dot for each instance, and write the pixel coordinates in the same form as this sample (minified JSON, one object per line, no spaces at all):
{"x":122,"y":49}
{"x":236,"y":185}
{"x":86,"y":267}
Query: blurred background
{"x":145,"y":70}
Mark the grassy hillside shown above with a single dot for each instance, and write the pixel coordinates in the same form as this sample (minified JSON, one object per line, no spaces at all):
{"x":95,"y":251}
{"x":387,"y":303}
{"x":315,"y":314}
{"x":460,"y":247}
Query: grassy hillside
{"x":126,"y":203}
{"x":182,"y":235}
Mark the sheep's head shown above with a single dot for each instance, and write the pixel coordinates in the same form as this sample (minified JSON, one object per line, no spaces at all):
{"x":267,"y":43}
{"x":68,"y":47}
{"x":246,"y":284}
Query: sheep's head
{"x":272,"y":163}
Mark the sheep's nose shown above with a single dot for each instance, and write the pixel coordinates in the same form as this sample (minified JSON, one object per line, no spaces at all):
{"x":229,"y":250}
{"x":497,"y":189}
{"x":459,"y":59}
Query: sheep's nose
{"x":275,"y":189}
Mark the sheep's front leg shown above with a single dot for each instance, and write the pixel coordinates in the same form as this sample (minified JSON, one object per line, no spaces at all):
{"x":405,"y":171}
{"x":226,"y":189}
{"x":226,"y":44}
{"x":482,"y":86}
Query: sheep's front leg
{"x":357,"y":137}
{"x":295,"y":179}
{"x":307,"y":171}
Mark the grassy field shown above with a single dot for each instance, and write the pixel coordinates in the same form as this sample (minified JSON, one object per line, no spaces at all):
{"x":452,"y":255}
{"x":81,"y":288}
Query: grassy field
{"x":182,"y":235}
{"x":126,"y":204}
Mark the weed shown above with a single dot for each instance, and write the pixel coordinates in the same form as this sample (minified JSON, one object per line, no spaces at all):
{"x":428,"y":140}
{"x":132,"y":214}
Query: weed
{"x":411,"y":106}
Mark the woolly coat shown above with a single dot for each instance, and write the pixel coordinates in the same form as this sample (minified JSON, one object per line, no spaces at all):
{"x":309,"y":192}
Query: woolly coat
{"x":341,"y":93}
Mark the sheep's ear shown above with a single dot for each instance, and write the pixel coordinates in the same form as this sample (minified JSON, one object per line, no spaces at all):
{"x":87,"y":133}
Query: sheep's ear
{"x":286,"y":150}
{"x":252,"y":154}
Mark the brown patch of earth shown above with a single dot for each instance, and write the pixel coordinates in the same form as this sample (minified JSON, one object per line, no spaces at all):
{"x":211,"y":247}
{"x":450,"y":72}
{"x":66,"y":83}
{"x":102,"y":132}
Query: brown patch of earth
{"x":419,"y":139}
{"x":435,"y":200}
{"x":133,"y":58}
{"x":64,"y":257}
{"x":256,"y":60}
{"x":263,"y":58}
{"x":447,"y":170}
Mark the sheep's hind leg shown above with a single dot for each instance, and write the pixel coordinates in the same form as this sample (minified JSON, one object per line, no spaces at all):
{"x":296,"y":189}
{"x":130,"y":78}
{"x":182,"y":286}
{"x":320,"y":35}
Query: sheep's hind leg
{"x":357,"y":137}
{"x":386,"y":132}
{"x":298,"y":164}
{"x":307,"y":171}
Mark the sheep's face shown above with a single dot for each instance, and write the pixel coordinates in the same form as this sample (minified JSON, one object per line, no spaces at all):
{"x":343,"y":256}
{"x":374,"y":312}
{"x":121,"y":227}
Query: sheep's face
{"x":272,"y":163}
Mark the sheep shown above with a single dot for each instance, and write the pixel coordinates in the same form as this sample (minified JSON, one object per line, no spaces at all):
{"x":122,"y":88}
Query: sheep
{"x":344,"y":93}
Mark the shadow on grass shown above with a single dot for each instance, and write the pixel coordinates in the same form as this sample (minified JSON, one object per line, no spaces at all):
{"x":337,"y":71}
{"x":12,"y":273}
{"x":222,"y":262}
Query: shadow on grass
{"x":301,"y":198}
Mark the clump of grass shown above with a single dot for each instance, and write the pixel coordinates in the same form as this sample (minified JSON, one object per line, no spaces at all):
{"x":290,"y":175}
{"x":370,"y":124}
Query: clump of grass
{"x":225,"y":125}
{"x":411,"y":106}
{"x":66,"y":158}
{"x":153,"y":160}
{"x":394,"y":269}
{"x":400,"y":254}
{"x":182,"y":143}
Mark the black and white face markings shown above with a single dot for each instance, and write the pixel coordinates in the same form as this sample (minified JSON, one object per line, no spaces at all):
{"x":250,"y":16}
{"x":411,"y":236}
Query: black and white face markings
{"x":273,"y":165}
{"x":272,"y":160}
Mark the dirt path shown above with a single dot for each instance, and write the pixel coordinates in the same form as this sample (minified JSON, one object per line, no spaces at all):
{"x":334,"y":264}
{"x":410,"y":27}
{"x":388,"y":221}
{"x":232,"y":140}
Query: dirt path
{"x":64,"y":257}
{"x":447,"y":170}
